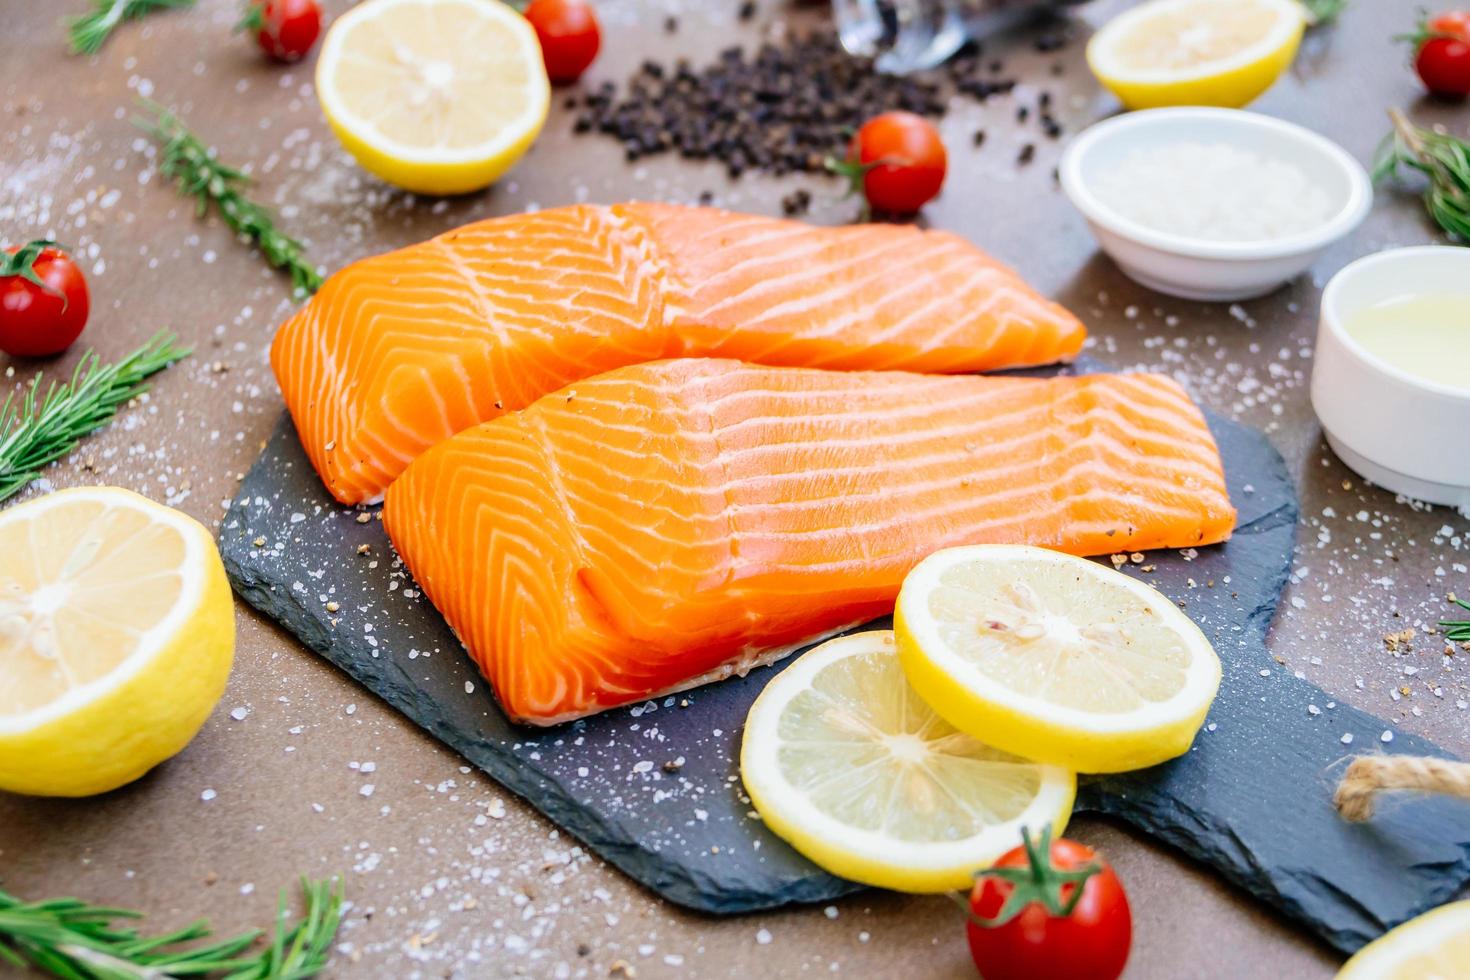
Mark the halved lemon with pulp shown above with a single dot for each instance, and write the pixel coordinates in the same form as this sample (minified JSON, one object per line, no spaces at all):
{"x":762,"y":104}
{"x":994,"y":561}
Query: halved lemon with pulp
{"x":116,"y":635}
{"x":1433,"y":945}
{"x":434,"y":96}
{"x":849,"y":766}
{"x":1054,"y":658}
{"x":1196,"y":52}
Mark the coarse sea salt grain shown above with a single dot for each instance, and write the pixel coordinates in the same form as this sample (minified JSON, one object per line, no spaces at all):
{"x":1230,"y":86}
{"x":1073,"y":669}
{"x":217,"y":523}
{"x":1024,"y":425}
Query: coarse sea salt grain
{"x":1213,"y":191}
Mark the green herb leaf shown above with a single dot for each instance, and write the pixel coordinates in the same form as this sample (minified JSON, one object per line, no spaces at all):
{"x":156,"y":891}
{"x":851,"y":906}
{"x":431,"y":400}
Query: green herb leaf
{"x":37,"y":430}
{"x":1323,"y":11}
{"x":90,"y":30}
{"x":69,"y":938}
{"x":200,"y":174}
{"x":1457,"y":630}
{"x":1440,"y":157}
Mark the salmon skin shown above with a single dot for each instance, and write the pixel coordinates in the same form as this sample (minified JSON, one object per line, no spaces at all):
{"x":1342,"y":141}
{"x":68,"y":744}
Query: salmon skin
{"x":671,"y":523}
{"x":398,"y":352}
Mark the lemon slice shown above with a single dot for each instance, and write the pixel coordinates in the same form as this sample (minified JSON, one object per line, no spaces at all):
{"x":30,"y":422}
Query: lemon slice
{"x":1433,"y":945}
{"x":434,"y":96}
{"x":1054,"y":658}
{"x":1196,"y":52}
{"x":846,"y":763}
{"x":116,"y":636}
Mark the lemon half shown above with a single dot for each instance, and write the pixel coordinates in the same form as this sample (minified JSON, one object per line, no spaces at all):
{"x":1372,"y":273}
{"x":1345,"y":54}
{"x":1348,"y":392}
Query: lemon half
{"x":434,"y":96}
{"x":1054,"y":658}
{"x":845,"y":762}
{"x":1435,"y":944}
{"x":117,"y":631}
{"x":1196,"y":52}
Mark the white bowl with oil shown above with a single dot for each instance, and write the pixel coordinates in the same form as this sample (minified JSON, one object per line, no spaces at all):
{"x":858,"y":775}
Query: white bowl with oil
{"x":1391,"y":380}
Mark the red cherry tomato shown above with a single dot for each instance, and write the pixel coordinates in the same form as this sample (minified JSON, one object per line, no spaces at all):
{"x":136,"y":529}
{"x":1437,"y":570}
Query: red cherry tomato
{"x":1089,"y":942}
{"x":43,"y":300}
{"x":569,"y":36}
{"x":900,"y":160}
{"x":284,"y":29}
{"x":1442,"y":54}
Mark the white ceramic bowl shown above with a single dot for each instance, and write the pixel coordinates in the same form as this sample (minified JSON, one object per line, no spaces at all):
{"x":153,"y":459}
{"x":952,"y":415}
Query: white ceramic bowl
{"x":1405,"y":433}
{"x":1196,"y":268}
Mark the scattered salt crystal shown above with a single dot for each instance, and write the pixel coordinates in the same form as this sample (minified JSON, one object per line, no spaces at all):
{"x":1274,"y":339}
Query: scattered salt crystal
{"x":763,"y":936}
{"x":469,"y":687}
{"x":1387,"y":736}
{"x":366,"y":789}
{"x":1347,"y":738}
{"x":240,"y":713}
{"x":830,"y":911}
{"x":368,"y":767}
{"x":208,"y":795}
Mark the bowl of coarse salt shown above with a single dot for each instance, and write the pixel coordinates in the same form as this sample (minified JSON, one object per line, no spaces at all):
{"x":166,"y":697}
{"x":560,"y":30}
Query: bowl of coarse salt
{"x":1213,"y":204}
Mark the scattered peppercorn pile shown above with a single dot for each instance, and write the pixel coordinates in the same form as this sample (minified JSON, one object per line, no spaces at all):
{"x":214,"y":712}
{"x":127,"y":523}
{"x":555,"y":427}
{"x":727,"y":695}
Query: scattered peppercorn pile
{"x":786,"y":107}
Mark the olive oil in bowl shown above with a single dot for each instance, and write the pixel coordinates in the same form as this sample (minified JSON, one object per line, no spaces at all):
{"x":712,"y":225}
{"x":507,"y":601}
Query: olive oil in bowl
{"x":1426,"y":335}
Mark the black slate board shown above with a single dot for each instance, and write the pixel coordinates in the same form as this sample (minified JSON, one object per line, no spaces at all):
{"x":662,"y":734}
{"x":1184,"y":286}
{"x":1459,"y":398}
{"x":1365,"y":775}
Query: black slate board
{"x":1250,"y":799}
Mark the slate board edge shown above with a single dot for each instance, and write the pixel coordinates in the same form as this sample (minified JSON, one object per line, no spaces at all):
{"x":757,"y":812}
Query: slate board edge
{"x":518,"y":775}
{"x":689,"y":886}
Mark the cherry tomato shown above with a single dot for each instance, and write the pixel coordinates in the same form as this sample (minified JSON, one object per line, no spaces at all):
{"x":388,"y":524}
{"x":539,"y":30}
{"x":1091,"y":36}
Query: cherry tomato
{"x":284,"y":29}
{"x":900,"y":160}
{"x":569,"y":36}
{"x":1442,"y":54}
{"x":1045,"y":938}
{"x":43,"y":300}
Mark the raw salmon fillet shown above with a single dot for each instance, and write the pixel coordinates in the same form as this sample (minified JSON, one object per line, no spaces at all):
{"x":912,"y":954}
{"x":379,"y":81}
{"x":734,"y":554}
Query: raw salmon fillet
{"x":667,"y":524}
{"x":401,"y":351}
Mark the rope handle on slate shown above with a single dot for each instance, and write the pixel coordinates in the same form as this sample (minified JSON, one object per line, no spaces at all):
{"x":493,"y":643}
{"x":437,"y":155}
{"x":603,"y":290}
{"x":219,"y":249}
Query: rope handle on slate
{"x":1369,"y":775}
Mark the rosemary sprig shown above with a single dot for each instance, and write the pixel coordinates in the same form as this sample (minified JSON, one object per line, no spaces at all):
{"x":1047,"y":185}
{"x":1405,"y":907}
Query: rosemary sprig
{"x":1457,"y":630}
{"x":90,"y":30}
{"x":1441,"y":157}
{"x":36,"y":429}
{"x":201,"y":175}
{"x":69,"y":938}
{"x":1323,"y":11}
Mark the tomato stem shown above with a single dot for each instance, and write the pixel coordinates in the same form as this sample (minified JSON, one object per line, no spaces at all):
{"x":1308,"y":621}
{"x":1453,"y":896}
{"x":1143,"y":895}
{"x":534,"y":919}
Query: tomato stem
{"x":854,"y":171}
{"x":254,"y":17}
{"x":22,"y":263}
{"x":1040,"y":882}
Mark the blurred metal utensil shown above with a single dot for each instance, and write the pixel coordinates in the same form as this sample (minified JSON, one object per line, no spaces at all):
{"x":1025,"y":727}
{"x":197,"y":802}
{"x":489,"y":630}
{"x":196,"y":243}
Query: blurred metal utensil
{"x":911,"y":35}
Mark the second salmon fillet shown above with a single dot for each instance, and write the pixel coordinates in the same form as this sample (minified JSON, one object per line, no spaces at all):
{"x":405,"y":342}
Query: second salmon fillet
{"x":400,"y":351}
{"x":663,"y":525}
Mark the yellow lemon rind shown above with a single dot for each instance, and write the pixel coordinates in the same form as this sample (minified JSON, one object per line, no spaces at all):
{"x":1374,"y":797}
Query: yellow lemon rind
{"x":1023,"y":727}
{"x":886,"y":864}
{"x":1384,"y":958}
{"x":126,"y":730}
{"x":1230,"y":87}
{"x":427,"y":171}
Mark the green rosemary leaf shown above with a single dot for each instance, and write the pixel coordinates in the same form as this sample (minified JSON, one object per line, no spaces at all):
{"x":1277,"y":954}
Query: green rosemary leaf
{"x":72,"y":939}
{"x":90,"y":30}
{"x":38,"y":429}
{"x":1457,"y":630}
{"x":1440,"y":157}
{"x":1323,"y":11}
{"x":200,"y":175}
